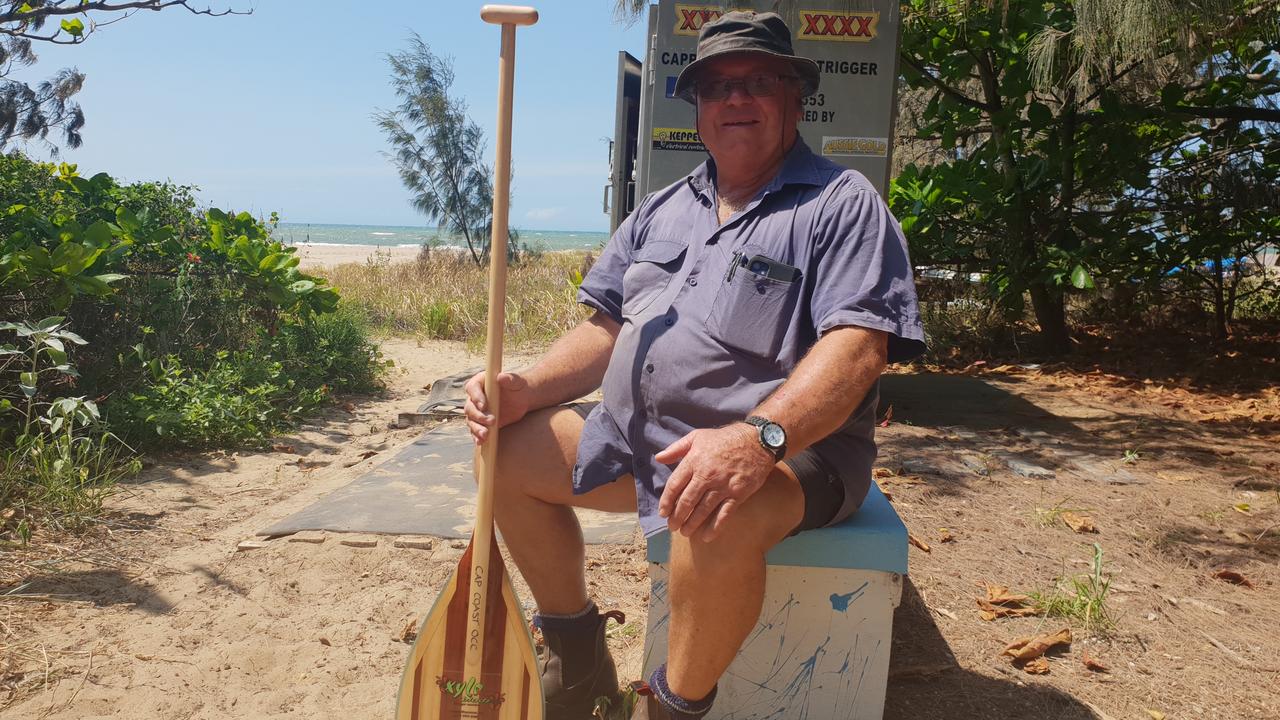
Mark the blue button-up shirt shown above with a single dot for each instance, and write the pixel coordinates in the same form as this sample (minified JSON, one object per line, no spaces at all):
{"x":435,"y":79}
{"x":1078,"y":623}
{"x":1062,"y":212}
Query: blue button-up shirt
{"x":716,"y":316}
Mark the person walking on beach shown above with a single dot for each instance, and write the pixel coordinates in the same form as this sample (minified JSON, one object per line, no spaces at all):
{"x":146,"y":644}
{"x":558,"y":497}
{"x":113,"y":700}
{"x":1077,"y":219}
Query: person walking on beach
{"x":743,"y":316}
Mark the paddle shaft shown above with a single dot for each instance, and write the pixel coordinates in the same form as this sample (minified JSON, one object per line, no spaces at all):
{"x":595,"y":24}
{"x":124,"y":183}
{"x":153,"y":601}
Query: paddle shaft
{"x":482,"y":538}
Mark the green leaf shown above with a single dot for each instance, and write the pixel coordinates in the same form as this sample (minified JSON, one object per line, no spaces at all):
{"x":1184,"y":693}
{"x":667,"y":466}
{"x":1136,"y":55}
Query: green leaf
{"x":127,"y":220}
{"x":99,"y":234}
{"x":50,"y":322}
{"x":27,"y":382}
{"x":57,"y":356}
{"x":302,"y":287}
{"x":1040,"y":116}
{"x":1080,"y":278}
{"x":68,"y":335}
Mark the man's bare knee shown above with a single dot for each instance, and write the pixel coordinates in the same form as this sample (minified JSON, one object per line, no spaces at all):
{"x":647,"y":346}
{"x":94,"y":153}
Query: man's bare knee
{"x":536,"y":454}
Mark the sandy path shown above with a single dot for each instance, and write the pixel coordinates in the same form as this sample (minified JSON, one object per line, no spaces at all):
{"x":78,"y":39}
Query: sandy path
{"x":174,"y":622}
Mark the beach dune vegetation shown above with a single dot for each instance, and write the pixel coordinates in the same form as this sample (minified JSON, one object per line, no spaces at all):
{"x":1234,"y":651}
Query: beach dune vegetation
{"x":132,"y":320}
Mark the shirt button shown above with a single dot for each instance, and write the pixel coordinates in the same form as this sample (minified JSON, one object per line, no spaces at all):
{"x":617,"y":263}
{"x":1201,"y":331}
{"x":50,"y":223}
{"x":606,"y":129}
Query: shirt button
{"x":670,"y":321}
{"x":693,"y":281}
{"x":648,"y":368}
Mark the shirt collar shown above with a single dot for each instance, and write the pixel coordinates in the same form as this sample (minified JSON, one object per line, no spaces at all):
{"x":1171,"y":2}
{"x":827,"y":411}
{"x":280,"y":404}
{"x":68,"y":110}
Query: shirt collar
{"x":799,"y":167}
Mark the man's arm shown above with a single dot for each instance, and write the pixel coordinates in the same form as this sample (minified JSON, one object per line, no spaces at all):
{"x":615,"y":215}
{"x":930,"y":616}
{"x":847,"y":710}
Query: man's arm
{"x":721,"y":467}
{"x":572,"y":367}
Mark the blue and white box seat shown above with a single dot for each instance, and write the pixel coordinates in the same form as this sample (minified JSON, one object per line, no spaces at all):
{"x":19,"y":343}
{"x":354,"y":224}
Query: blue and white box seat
{"x":821,"y":648}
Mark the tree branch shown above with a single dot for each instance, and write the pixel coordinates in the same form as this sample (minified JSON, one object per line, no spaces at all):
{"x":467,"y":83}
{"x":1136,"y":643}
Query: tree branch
{"x":1230,"y":112}
{"x":945,"y":88}
{"x":84,"y":8}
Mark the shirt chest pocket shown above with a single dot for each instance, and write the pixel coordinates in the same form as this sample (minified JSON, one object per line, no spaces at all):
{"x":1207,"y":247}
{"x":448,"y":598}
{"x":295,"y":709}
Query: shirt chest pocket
{"x":650,"y":273}
{"x":752,"y":312}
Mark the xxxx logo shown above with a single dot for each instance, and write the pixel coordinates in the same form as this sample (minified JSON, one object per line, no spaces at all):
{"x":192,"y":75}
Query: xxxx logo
{"x":846,"y":27}
{"x":691,"y":18}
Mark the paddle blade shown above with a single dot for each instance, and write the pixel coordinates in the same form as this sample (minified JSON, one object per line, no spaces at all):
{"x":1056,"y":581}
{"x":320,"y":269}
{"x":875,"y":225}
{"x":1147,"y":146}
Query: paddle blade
{"x":433,"y":686}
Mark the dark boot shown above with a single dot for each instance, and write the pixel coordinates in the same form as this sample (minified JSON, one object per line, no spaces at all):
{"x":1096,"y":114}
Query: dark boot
{"x":576,"y":666}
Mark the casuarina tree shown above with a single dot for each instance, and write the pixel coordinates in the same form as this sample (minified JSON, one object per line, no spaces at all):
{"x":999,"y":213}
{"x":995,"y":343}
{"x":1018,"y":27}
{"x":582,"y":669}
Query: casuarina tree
{"x":437,"y":149}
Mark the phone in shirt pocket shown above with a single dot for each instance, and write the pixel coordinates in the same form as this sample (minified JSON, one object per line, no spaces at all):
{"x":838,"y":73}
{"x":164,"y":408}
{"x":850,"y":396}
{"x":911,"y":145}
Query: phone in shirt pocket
{"x":755,"y":304}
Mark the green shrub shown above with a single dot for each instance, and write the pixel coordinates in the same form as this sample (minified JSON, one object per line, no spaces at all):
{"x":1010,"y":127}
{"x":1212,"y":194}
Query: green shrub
{"x":57,"y":462}
{"x":1259,"y":299}
{"x":201,"y":329}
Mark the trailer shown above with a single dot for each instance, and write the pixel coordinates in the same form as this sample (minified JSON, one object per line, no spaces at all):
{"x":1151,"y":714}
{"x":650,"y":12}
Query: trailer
{"x":849,"y":120}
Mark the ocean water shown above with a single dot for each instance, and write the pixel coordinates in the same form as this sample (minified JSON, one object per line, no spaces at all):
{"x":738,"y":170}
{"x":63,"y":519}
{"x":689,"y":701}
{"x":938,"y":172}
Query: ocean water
{"x":394,"y":235}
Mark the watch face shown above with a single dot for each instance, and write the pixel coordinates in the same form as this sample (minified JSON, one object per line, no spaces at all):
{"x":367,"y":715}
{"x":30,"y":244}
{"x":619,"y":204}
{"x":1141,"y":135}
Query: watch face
{"x":773,"y":435}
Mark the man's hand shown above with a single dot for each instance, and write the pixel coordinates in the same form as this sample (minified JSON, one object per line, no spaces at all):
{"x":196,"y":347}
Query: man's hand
{"x":718,"y":470}
{"x":513,"y":403}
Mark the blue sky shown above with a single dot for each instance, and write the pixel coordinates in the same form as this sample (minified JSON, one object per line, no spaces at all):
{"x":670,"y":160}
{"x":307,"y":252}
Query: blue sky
{"x":272,"y":112}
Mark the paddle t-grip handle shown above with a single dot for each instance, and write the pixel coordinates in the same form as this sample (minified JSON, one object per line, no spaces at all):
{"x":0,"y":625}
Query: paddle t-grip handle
{"x":508,"y":15}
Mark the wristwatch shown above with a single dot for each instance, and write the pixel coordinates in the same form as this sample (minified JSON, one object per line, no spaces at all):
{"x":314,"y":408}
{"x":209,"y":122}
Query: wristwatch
{"x":772,"y":437}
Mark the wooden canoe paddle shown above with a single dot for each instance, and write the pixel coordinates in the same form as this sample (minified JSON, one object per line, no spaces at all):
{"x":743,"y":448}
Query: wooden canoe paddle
{"x":474,"y":658}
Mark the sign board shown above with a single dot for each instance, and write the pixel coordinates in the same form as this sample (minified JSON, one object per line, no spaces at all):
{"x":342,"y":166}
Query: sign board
{"x":849,"y":120}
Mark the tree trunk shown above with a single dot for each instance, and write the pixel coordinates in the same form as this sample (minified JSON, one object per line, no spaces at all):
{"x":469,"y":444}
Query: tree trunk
{"x":1051,"y":313}
{"x":1219,"y":301}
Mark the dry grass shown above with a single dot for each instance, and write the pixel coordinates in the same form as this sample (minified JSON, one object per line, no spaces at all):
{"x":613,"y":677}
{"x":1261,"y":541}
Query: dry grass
{"x":444,"y":296}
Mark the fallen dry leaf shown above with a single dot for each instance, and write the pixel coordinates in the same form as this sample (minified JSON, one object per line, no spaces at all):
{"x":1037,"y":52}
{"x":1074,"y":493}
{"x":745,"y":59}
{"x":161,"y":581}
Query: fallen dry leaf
{"x":410,"y":632}
{"x":1039,"y":666}
{"x":325,"y":642}
{"x":1000,"y":595}
{"x":911,"y":538}
{"x":1155,"y":714}
{"x":945,"y":536}
{"x":991,"y":612}
{"x":1001,"y":603}
{"x":349,"y":407}
{"x":282,"y":447}
{"x":1233,"y":577}
{"x":1029,"y":648}
{"x":1094,"y":665}
{"x":881,"y":472}
{"x":888,"y":415}
{"x":1079,"y":523}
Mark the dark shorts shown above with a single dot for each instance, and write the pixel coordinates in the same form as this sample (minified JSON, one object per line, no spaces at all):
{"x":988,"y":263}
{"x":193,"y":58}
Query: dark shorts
{"x":824,"y":489}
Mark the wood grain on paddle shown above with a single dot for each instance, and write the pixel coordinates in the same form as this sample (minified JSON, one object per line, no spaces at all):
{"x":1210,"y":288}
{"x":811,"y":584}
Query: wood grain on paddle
{"x":474,"y":658}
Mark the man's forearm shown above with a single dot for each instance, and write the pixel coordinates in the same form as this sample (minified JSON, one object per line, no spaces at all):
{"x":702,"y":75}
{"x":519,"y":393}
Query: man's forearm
{"x":575,"y":364}
{"x":827,"y":385}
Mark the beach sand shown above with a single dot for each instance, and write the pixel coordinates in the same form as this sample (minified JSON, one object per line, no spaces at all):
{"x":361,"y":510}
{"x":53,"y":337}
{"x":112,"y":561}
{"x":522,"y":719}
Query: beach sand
{"x":316,"y":256}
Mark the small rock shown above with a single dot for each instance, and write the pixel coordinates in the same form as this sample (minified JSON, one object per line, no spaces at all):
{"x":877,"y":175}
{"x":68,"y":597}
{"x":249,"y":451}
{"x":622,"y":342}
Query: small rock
{"x":415,"y":542}
{"x":1027,"y":469}
{"x":359,"y":541}
{"x":976,"y":464}
{"x":251,"y":545}
{"x":307,"y":536}
{"x":458,"y":544}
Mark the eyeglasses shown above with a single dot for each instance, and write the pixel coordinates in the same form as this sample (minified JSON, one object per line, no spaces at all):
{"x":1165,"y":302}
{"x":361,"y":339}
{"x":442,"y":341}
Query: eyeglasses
{"x":758,"y":85}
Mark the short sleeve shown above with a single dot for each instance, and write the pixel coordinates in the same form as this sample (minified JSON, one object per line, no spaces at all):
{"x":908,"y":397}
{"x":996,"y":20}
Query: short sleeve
{"x":863,"y":275}
{"x":602,"y":287}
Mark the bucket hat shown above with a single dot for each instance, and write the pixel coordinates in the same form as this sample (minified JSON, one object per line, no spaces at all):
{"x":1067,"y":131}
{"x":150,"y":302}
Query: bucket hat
{"x":744,"y":31}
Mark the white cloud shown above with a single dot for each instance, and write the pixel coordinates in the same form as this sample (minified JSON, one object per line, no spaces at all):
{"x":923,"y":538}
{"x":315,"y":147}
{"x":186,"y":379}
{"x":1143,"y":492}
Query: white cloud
{"x":539,"y":214}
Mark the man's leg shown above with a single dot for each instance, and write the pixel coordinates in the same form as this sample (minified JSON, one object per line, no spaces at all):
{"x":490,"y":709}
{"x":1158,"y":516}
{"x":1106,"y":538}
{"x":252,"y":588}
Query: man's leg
{"x":717,"y":588}
{"x":533,"y":492}
{"x":533,"y":495}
